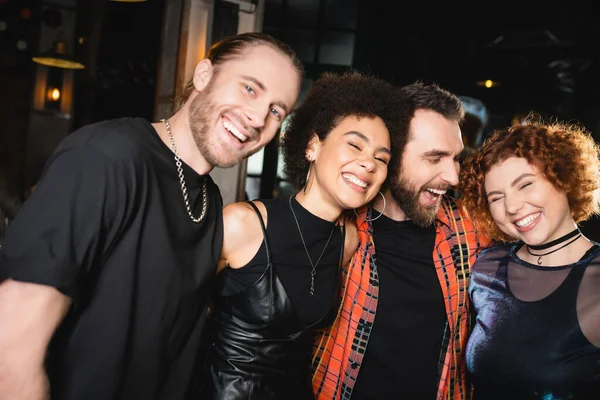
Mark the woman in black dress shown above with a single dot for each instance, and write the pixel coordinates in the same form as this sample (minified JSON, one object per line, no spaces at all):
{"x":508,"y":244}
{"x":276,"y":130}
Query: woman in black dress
{"x":278,"y":273}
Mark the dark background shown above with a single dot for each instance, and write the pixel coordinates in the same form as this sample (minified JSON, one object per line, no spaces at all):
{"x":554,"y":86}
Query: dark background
{"x":544,"y":55}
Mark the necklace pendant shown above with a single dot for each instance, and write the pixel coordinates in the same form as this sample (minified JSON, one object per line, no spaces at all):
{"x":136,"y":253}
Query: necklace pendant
{"x":539,"y":261}
{"x":313,"y":271}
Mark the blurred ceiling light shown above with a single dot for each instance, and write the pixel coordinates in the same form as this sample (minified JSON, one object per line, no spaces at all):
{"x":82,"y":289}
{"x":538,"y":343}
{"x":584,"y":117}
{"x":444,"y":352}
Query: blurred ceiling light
{"x":488,"y":83}
{"x":57,"y":57}
{"x":53,"y":94}
{"x":21,"y":45}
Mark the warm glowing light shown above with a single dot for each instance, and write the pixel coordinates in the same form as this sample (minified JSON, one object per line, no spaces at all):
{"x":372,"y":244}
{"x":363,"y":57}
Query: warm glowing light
{"x":58,"y":63}
{"x":53,"y":94}
{"x":57,"y":57}
{"x":488,"y":83}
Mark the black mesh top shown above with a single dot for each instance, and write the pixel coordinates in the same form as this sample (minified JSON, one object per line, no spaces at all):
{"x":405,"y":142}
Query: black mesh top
{"x":537,"y":331}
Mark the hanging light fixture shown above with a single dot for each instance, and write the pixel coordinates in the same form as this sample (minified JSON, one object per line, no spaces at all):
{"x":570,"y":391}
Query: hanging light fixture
{"x":58,"y":57}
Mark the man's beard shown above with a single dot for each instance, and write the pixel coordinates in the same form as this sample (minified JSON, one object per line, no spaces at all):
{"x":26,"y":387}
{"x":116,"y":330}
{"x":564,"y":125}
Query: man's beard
{"x":207,"y":138}
{"x":407,"y":198}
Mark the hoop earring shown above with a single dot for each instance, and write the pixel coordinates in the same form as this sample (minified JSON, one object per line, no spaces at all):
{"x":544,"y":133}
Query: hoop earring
{"x":372,"y":219}
{"x":307,"y":176}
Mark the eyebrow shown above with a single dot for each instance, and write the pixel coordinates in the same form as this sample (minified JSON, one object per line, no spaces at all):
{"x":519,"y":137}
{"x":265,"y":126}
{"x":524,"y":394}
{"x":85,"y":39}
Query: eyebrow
{"x":258,"y":83}
{"x":263,"y":88}
{"x":366,"y":139}
{"x":437,"y":153}
{"x":513,"y":183}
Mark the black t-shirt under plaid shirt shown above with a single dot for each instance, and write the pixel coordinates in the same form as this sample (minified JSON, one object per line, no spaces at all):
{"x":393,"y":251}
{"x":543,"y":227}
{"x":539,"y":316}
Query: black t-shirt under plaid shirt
{"x":402,"y":358}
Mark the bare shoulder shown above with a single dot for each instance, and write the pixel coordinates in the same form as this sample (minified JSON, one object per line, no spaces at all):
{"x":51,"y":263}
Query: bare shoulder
{"x":240,"y":218}
{"x":351,"y":242}
{"x":242,"y":233}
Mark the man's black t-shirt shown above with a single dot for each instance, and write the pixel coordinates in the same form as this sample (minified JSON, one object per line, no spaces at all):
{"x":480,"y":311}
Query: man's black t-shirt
{"x":402,"y":356}
{"x":107,"y":226}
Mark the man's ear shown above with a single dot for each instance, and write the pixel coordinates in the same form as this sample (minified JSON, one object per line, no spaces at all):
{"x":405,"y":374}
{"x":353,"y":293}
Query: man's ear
{"x":313,"y":147}
{"x":203,"y":73}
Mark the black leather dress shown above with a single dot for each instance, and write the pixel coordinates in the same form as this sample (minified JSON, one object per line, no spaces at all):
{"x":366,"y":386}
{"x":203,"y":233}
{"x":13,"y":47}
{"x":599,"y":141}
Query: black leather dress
{"x":261,"y":348}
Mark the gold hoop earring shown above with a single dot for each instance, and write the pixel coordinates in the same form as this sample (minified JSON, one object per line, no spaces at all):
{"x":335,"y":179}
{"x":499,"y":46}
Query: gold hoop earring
{"x":380,"y":214}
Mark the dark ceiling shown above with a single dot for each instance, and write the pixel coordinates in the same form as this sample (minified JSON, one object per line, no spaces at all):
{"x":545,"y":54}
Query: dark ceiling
{"x":545,"y":56}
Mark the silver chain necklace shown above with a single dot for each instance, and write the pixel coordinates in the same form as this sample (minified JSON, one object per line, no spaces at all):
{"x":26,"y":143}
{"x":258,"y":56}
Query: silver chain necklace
{"x":313,"y":271}
{"x":182,"y":180}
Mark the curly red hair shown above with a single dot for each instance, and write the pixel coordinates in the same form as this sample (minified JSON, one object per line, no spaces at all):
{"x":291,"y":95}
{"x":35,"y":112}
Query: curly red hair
{"x":565,"y":153}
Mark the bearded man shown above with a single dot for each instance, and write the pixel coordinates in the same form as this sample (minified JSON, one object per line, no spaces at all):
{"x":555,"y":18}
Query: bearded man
{"x":403,"y":324}
{"x":106,"y":272}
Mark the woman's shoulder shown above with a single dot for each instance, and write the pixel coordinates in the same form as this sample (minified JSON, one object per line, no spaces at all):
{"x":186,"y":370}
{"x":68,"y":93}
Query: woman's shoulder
{"x":240,"y":219}
{"x":497,"y":250}
{"x":492,"y":256}
{"x":240,"y":210}
{"x":242,"y":232}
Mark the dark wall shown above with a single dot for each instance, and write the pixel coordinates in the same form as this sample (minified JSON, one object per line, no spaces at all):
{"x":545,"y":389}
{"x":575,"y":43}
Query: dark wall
{"x":125,"y":49}
{"x":118,"y":43}
{"x":545,"y":56}
{"x":18,"y":41}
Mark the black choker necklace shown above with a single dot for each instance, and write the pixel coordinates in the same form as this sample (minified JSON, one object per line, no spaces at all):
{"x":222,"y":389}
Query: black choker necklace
{"x":557,"y":241}
{"x":568,"y":236}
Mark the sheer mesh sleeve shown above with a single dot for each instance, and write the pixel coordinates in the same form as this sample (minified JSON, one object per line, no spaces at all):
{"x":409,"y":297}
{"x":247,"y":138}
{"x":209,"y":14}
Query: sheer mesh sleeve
{"x":588,"y":302}
{"x":530,"y":283}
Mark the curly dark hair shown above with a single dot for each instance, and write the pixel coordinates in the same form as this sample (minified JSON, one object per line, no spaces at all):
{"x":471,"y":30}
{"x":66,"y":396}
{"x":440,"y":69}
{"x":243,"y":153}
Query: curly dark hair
{"x":232,"y":47}
{"x":566,"y":154}
{"x":332,"y":98}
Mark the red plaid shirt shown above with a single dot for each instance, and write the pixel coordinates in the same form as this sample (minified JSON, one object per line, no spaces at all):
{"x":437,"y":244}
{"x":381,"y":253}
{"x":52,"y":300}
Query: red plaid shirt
{"x":339,"y":351}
